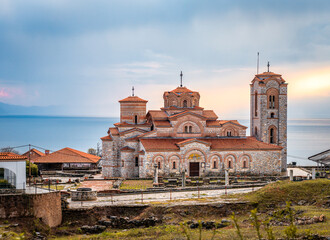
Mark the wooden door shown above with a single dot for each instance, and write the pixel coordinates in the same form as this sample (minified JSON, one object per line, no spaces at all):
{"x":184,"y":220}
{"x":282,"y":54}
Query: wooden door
{"x":194,"y":169}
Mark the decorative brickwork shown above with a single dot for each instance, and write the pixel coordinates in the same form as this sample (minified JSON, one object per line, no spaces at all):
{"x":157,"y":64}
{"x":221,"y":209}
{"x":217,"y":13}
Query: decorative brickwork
{"x":183,"y":136}
{"x":269,"y":111}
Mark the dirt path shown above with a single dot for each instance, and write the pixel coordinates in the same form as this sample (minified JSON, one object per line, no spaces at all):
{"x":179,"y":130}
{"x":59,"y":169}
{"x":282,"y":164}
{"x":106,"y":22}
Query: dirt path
{"x":157,"y":197}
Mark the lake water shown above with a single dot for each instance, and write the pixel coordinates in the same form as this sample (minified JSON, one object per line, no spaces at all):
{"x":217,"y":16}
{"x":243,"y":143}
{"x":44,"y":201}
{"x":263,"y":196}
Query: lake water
{"x":306,"y":137}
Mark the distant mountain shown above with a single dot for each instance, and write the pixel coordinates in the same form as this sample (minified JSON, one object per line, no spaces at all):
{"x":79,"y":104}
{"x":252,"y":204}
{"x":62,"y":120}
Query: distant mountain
{"x":8,"y":109}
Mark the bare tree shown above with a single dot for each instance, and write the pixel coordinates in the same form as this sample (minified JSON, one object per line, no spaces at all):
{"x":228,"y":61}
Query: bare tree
{"x":98,"y":150}
{"x":92,"y":151}
{"x":9,"y":149}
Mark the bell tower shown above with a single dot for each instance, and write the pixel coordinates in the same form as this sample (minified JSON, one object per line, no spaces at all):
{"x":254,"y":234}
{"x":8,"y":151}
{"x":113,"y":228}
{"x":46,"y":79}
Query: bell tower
{"x":133,"y":109}
{"x":268,"y":110}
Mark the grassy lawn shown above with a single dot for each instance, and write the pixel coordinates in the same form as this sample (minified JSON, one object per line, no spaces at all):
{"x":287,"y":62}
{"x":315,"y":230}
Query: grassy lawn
{"x":311,"y":191}
{"x":136,"y":184}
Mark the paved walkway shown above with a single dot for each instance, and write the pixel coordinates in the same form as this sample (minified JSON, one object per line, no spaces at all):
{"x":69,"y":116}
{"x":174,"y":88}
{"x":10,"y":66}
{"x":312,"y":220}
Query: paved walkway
{"x":98,"y":185}
{"x":124,"y":199}
{"x":33,"y":190}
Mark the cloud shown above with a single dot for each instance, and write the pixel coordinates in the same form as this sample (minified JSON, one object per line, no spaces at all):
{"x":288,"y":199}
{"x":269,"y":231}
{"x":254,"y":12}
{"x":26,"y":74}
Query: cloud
{"x":3,"y":93}
{"x":87,"y":56}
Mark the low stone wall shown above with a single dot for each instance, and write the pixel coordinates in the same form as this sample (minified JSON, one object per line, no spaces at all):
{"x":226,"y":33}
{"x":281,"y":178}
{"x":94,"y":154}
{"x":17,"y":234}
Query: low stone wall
{"x":83,"y":195}
{"x":46,"y":206}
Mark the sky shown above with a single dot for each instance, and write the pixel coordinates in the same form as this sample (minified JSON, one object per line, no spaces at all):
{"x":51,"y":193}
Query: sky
{"x":83,"y":56}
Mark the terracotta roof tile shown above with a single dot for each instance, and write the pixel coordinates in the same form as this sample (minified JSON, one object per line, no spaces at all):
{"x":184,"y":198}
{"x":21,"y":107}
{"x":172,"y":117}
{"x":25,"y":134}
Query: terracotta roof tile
{"x":185,"y":113}
{"x":9,"y":156}
{"x":125,"y":124}
{"x":162,"y":123}
{"x":266,"y":76}
{"x":176,"y":107}
{"x":210,"y":114}
{"x":113,"y":131}
{"x":107,"y":138}
{"x":127,"y":149}
{"x":132,"y":130}
{"x":157,"y":114}
{"x":222,"y":122}
{"x":222,"y":144}
{"x":179,"y":90}
{"x":213,"y":123}
{"x":192,"y":140}
{"x":133,"y":99}
{"x":68,"y":155}
{"x":35,"y":151}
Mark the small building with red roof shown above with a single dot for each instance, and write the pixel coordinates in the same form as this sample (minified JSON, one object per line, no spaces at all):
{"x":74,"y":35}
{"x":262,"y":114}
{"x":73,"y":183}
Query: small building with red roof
{"x":184,"y":137}
{"x":14,"y":166}
{"x":33,"y":154}
{"x":67,"y":159}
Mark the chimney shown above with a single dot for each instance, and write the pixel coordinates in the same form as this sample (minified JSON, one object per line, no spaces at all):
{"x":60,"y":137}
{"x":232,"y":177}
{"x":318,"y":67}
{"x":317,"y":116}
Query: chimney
{"x":46,"y":152}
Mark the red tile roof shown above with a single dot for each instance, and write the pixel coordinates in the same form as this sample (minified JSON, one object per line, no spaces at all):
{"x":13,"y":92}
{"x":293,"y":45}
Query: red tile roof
{"x":222,"y":144}
{"x":127,"y":149}
{"x":132,"y":130}
{"x":187,"y":141}
{"x":266,"y":76}
{"x":9,"y":156}
{"x":179,"y":90}
{"x":175,"y":107}
{"x":222,"y":122}
{"x":213,"y":123}
{"x":162,"y":123}
{"x":125,"y":124}
{"x":210,"y":114}
{"x":157,"y":114}
{"x":67,"y":155}
{"x":185,"y":113}
{"x":35,"y":151}
{"x":133,"y":99}
{"x":106,"y":138}
{"x":113,"y":131}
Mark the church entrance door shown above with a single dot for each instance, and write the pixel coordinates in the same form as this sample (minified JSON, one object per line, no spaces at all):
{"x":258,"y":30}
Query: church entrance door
{"x":194,"y":169}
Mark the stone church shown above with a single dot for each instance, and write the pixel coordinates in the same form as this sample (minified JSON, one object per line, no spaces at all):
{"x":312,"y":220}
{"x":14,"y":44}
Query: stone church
{"x":183,"y":136}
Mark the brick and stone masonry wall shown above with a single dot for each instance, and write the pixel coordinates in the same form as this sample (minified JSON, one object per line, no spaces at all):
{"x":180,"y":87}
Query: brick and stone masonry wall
{"x":266,"y":162}
{"x":46,"y":206}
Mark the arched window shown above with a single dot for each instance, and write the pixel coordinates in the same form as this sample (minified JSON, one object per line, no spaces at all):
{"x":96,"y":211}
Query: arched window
{"x":159,"y":165}
{"x":186,"y":129}
{"x":174,"y":167}
{"x":272,"y":135}
{"x":190,"y":129}
{"x":272,"y":115}
{"x":256,"y":131}
{"x":229,"y":134}
{"x":272,"y":98}
{"x":256,"y":104}
{"x":184,"y":103}
{"x":136,"y":162}
{"x":135,"y":119}
{"x":215,"y":164}
{"x":230,"y":164}
{"x":244,"y":164}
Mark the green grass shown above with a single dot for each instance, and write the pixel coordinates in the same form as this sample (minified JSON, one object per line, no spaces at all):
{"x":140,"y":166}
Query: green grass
{"x":136,"y":184}
{"x":54,"y":187}
{"x":281,"y":191}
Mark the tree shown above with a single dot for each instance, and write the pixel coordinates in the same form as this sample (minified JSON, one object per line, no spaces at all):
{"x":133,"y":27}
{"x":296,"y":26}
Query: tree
{"x":98,"y":150}
{"x":92,"y":151}
{"x":9,"y":149}
{"x":34,"y":169}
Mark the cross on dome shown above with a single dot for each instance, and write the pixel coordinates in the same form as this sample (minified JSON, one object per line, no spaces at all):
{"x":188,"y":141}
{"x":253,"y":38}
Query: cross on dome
{"x":181,"y":79}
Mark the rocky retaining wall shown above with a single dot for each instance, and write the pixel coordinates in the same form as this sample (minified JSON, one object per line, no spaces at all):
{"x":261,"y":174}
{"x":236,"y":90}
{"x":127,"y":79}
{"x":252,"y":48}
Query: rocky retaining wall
{"x":46,"y":206}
